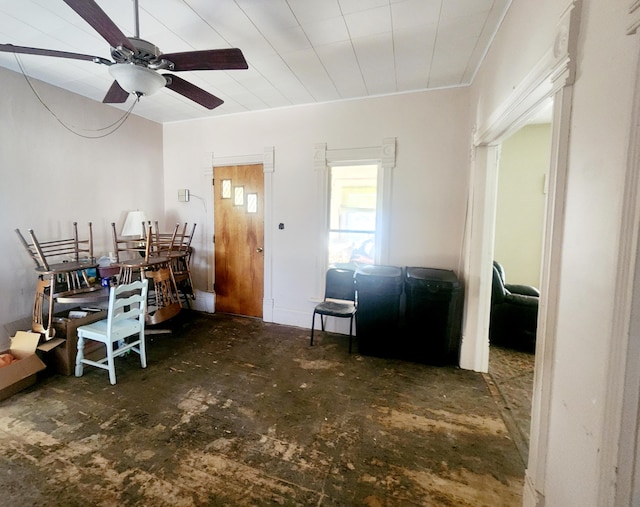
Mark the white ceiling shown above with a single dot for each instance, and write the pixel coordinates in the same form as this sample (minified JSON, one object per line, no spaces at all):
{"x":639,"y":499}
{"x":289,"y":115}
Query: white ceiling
{"x":298,"y":51}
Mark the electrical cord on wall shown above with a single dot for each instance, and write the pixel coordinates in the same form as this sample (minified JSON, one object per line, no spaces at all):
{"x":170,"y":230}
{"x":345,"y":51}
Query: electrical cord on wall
{"x":114,"y":126}
{"x":204,"y":203}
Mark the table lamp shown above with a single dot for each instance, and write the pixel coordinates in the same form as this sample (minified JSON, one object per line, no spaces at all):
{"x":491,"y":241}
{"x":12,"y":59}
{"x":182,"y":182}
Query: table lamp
{"x":134,"y":224}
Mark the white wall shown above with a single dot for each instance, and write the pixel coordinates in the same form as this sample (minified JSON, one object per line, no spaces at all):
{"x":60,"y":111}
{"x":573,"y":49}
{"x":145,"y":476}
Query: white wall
{"x":50,"y":178}
{"x":524,"y":164}
{"x":598,"y":153}
{"x":601,"y":107}
{"x":428,"y":193}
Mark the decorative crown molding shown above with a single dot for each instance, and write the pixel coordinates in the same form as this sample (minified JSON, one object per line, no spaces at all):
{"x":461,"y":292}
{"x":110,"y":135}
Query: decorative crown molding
{"x":385,"y":154}
{"x":565,"y":46}
{"x":388,"y":152}
{"x":268,"y":163}
{"x":320,"y":156}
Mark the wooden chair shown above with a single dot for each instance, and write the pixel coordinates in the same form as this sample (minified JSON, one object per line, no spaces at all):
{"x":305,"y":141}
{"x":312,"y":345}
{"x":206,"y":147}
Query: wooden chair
{"x":182,"y":264}
{"x":125,"y":318}
{"x":165,"y":299}
{"x":165,"y":242}
{"x":339,"y":299}
{"x":65,"y":260}
{"x":148,"y":261}
{"x":61,"y":266}
{"x":179,"y":252}
{"x":37,"y":319}
{"x":185,"y":239}
{"x":136,"y":256}
{"x":125,"y":248}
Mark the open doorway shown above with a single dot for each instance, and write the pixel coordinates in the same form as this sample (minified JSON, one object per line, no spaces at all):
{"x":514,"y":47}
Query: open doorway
{"x":518,"y":246}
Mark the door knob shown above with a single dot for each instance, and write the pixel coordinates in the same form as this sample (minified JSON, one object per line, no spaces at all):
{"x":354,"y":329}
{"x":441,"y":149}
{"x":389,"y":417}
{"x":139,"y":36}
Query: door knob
{"x":259,"y":249}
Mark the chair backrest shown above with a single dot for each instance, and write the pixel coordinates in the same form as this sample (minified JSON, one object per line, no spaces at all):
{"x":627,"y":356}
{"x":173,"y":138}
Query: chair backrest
{"x":165,"y":241}
{"x":500,"y":270}
{"x":142,"y":245}
{"x":340,"y":284}
{"x":165,"y":298}
{"x":183,"y":240}
{"x":44,"y":253}
{"x":498,"y":290}
{"x":128,"y":301}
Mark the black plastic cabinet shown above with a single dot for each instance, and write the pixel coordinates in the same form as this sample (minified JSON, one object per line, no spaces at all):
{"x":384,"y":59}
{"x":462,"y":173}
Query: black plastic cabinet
{"x":433,"y":315}
{"x":379,"y":290}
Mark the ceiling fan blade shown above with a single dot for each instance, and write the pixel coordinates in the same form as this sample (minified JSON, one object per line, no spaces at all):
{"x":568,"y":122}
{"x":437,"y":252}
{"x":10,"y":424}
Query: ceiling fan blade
{"x":192,"y":92}
{"x":115,"y":95}
{"x":209,"y":59}
{"x":100,"y":22}
{"x":10,"y":48}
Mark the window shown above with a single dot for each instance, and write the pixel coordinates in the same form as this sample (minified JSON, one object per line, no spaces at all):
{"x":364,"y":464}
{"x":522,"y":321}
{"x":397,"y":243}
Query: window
{"x":353,"y":197}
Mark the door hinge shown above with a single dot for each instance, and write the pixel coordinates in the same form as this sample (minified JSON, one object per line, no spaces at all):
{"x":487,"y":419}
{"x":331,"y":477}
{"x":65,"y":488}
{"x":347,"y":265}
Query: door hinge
{"x":213,"y":239}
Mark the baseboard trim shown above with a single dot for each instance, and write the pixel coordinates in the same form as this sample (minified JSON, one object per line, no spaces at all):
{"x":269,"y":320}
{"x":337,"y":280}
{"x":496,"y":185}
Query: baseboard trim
{"x":530,"y":497}
{"x":204,"y":302}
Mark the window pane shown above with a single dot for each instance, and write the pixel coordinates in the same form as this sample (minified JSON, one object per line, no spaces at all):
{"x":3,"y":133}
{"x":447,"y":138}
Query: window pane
{"x":226,"y":189}
{"x":353,"y":198}
{"x":352,"y":214}
{"x":351,"y":247}
{"x":252,"y":203}
{"x":238,"y":196}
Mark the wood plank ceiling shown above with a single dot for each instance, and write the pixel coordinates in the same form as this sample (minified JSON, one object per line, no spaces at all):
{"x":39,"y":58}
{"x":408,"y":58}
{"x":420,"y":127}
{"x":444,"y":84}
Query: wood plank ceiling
{"x":298,"y":51}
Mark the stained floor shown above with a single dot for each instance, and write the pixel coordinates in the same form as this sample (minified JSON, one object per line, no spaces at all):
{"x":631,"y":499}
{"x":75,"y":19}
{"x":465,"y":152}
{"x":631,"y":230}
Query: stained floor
{"x":232,"y":411}
{"x":510,"y":379}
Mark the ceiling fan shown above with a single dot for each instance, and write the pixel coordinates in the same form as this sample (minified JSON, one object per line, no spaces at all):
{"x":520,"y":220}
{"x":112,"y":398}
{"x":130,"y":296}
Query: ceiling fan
{"x":137,"y":62}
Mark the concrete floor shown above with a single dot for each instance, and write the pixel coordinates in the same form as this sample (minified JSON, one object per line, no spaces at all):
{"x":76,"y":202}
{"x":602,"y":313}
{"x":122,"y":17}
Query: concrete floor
{"x":233,"y":411}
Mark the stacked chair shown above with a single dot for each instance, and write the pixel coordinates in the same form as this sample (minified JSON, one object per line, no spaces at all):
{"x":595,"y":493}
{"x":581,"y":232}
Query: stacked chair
{"x":61,"y":267}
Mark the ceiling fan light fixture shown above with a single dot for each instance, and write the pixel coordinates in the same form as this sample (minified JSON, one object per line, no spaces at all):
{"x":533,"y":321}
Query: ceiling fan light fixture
{"x":137,"y":79}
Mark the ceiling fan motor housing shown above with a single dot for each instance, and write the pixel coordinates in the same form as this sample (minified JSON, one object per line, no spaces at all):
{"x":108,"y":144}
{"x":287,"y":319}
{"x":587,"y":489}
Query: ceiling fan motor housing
{"x":146,"y":54}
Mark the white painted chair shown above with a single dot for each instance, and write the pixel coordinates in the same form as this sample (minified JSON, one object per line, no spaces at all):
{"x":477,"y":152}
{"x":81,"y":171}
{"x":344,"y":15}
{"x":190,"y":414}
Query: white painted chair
{"x":125,"y":318}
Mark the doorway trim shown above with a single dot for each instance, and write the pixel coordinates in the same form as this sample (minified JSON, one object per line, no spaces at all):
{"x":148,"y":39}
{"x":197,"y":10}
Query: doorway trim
{"x":620,"y":470}
{"x":267,"y":159}
{"x":551,"y":79}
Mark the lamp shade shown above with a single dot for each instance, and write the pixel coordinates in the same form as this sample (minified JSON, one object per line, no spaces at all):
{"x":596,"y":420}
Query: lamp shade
{"x":137,"y":79}
{"x":133,"y":224}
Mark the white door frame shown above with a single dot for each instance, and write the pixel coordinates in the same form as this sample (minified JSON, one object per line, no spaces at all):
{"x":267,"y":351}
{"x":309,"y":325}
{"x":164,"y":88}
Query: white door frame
{"x":551,"y":78}
{"x":620,"y":457}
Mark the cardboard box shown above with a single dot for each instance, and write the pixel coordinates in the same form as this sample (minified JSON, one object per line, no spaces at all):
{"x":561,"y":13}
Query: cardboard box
{"x":63,"y":357}
{"x":22,"y":373}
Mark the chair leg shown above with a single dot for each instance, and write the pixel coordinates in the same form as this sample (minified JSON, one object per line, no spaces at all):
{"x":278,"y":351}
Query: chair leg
{"x":111,"y":364}
{"x":350,"y":332}
{"x":322,"y":318}
{"x":313,"y":321}
{"x":37,"y":319}
{"x":80,"y":356}
{"x":143,"y":351}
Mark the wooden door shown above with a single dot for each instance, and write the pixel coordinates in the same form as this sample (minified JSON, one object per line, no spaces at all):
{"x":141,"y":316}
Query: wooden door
{"x":239,"y":239}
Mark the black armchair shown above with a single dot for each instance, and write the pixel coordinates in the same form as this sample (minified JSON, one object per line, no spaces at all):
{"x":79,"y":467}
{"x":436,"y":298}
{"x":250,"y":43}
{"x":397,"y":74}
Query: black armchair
{"x":514,"y":313}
